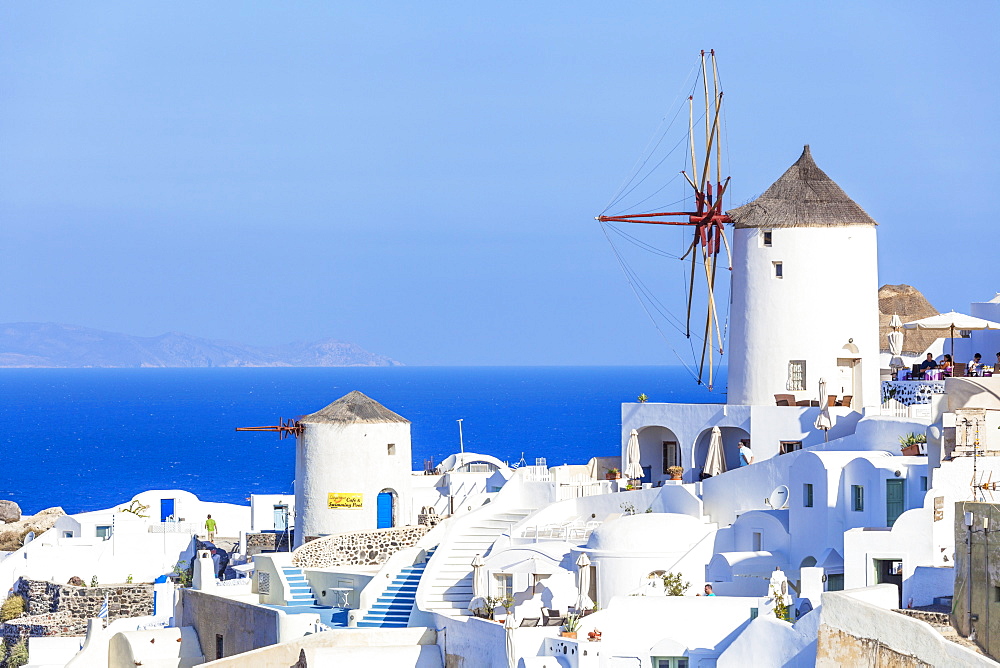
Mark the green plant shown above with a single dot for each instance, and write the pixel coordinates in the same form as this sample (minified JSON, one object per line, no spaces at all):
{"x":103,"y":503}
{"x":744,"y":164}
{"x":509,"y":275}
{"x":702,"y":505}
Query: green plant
{"x":494,"y":602}
{"x":18,"y":654}
{"x":12,"y":608}
{"x":912,"y":439}
{"x":572,"y":623}
{"x":627,"y":508}
{"x":93,"y":581}
{"x":642,"y":398}
{"x":781,"y":608}
{"x":649,"y":510}
{"x":183,"y":572}
{"x":614,"y":471}
{"x":674,"y":584}
{"x":128,"y":580}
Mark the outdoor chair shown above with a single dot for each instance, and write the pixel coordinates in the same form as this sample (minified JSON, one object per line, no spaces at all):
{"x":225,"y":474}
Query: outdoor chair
{"x":530,"y":621}
{"x":551,"y":617}
{"x":530,"y":532}
{"x":784,"y":399}
{"x":831,"y":400}
{"x":960,"y":369}
{"x":846,"y":401}
{"x":916,"y":372}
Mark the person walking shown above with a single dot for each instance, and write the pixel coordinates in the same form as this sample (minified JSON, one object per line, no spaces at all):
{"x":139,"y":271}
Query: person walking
{"x":746,"y":454}
{"x":210,"y":527}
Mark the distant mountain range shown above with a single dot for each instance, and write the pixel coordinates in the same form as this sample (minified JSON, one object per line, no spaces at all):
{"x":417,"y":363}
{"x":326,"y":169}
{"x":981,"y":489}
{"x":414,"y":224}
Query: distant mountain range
{"x":30,"y":344}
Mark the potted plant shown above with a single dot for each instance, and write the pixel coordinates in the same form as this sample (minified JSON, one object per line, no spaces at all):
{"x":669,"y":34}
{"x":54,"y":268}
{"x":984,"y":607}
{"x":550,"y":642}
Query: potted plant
{"x":594,"y":636}
{"x":675,"y":472}
{"x":613,"y":474}
{"x":910,"y":443}
{"x":571,"y":626}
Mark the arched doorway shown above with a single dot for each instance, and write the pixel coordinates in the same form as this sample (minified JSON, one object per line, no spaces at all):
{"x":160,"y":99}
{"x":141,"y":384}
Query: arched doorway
{"x":386,"y":509}
{"x":731,"y":437}
{"x":659,"y":449}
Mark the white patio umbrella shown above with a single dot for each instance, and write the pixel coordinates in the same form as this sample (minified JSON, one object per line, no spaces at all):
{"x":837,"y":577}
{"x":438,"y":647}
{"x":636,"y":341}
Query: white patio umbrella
{"x":949,"y":322}
{"x":508,"y":626}
{"x":715,"y":462}
{"x":583,"y":600}
{"x":633,"y":469}
{"x":479,"y":585}
{"x":824,"y":421}
{"x":895,"y":341}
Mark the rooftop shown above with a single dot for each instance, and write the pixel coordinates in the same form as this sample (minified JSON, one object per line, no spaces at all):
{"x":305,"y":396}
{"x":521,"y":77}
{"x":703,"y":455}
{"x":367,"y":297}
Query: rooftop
{"x":353,"y":408}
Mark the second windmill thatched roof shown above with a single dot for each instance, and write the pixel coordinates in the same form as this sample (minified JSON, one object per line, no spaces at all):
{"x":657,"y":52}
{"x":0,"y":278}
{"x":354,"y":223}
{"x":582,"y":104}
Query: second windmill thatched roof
{"x":353,"y":408}
{"x":804,"y":196}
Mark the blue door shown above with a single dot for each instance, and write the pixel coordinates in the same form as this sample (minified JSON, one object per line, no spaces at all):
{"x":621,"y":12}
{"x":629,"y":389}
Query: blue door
{"x":166,"y":509}
{"x":280,"y":518}
{"x":385,"y":510}
{"x":647,"y":474}
{"x":894,"y":498}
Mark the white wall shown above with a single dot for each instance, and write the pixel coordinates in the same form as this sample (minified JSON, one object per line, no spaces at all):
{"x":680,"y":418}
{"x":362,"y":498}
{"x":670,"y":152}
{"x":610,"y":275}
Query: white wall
{"x":262,"y":510}
{"x":828,"y":296}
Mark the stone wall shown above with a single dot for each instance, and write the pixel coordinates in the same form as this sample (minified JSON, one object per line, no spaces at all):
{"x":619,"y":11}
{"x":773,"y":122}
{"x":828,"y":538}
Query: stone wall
{"x":124,"y":600}
{"x":357,"y":548}
{"x":49,"y":624}
{"x":268,"y":542}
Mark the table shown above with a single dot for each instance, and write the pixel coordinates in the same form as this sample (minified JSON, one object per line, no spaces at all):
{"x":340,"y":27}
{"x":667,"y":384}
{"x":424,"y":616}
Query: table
{"x":341,"y":594}
{"x":911,"y":392}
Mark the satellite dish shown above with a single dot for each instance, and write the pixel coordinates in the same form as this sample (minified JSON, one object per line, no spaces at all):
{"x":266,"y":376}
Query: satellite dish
{"x":778,"y":498}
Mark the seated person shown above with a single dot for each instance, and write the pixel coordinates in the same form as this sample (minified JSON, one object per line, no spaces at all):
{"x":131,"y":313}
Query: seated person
{"x":947,"y":366}
{"x":975,"y":367}
{"x":996,"y":367}
{"x":928,"y":363}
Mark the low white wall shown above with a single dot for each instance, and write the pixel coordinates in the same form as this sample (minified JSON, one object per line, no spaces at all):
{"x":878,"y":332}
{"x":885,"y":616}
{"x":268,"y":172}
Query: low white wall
{"x":863,"y":614}
{"x":930,"y":582}
{"x":769,"y":641}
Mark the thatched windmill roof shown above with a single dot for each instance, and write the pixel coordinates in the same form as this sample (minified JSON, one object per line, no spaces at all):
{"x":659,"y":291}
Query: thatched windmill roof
{"x":353,"y":408}
{"x":910,"y":305}
{"x":804,"y":196}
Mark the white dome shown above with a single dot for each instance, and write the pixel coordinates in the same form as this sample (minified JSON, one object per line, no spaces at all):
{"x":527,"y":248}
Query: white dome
{"x":647,"y":532}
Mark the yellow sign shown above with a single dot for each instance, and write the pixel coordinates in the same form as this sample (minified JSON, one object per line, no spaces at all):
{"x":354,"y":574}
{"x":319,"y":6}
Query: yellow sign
{"x":335,"y":500}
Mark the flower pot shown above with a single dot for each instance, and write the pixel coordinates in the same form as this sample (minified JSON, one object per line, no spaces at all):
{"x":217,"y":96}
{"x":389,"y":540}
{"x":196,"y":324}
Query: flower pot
{"x":568,"y":634}
{"x":613,"y":476}
{"x":676,"y":477}
{"x":911,"y":450}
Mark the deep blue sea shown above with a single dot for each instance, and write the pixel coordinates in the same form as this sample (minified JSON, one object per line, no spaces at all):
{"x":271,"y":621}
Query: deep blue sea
{"x":87,"y":439}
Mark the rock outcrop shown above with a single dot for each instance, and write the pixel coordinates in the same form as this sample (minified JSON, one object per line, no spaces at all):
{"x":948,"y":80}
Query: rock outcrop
{"x":9,"y":512}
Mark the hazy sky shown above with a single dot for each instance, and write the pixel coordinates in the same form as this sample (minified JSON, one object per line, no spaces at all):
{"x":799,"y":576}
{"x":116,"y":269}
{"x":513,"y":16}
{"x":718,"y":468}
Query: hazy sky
{"x":421,"y":178}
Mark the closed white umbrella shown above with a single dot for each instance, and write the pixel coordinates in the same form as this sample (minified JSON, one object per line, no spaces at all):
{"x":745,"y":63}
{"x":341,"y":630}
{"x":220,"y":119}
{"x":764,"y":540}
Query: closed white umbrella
{"x":824,"y":421}
{"x":583,"y":600}
{"x":715,"y":461}
{"x":633,"y":469}
{"x":478,"y":583}
{"x":949,"y":322}
{"x":509,"y":625}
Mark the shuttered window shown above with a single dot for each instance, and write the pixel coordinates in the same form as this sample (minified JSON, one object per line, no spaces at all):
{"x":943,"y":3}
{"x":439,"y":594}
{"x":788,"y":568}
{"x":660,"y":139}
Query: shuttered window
{"x":796,"y":375}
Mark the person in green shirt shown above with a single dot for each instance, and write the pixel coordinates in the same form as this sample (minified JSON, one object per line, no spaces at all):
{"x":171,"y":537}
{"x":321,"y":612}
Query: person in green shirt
{"x":210,"y":527}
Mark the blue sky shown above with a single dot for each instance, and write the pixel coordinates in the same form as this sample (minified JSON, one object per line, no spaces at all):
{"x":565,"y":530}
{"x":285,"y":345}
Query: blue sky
{"x":421,"y":178}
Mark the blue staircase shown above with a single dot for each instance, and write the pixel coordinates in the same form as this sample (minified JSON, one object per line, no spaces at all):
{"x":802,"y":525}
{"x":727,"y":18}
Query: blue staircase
{"x":299,"y":591}
{"x":393,"y":607}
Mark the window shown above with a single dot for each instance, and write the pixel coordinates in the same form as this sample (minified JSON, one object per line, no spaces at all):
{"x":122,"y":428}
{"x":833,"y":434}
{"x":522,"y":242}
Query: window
{"x":219,"y":646}
{"x":757,"y":539}
{"x":765,"y":238}
{"x":923,"y":483}
{"x":504,"y":584}
{"x":835,"y":582}
{"x":807,"y":495}
{"x":789,"y":446}
{"x":996,"y":594}
{"x":391,"y":448}
{"x":104,"y":531}
{"x":779,"y":269}
{"x":857,"y":497}
{"x":796,"y":375}
{"x":671,"y":455}
{"x":67,"y":534}
{"x":670,"y":662}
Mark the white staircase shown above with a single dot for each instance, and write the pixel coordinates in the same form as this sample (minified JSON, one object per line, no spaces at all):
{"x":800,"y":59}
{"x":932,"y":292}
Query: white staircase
{"x":446,"y":586}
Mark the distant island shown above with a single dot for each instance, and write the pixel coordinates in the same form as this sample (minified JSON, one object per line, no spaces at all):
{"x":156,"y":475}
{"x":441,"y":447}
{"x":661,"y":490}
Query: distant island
{"x":51,"y":345}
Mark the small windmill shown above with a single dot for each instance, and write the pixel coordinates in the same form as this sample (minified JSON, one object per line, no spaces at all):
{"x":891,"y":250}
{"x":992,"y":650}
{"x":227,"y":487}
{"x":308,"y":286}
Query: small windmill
{"x":707,"y":219}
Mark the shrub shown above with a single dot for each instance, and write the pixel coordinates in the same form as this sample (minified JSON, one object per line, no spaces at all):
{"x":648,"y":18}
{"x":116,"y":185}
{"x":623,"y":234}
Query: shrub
{"x":12,"y":608}
{"x":12,"y":540}
{"x":93,"y":581}
{"x":18,"y":654}
{"x":674,"y":584}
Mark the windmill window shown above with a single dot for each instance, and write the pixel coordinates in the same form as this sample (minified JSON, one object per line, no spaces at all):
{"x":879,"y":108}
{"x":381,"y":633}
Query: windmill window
{"x":765,"y":238}
{"x":779,"y":269}
{"x":391,"y":448}
{"x":796,"y":376}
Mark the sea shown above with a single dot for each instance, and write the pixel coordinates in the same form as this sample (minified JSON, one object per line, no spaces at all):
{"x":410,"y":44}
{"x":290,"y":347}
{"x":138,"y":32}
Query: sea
{"x":89,"y":439}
